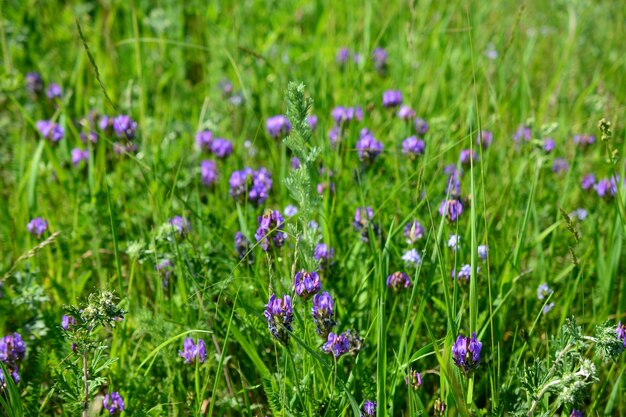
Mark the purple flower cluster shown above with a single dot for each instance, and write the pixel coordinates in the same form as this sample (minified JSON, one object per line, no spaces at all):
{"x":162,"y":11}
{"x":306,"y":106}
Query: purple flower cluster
{"x":311,"y":119}
{"x":405,"y":112}
{"x":324,"y":254}
{"x":342,"y":115}
{"x":412,"y":147}
{"x":379,"y":56}
{"x":413,"y":379}
{"x":307,"y":284}
{"x":255,"y":185}
{"x":363,"y":220}
{"x":548,"y":145}
{"x":398,"y":281}
{"x":346,"y":342}
{"x":465,"y":273}
{"x":453,"y":178}
{"x":621,"y":332}
{"x":482,"y":251}
{"x":412,"y":258}
{"x":543,"y":291}
{"x":50,"y":130}
{"x":164,"y":269}
{"x":421,"y":126}
{"x":451,"y":209}
{"x":368,"y":147}
{"x":576,"y":413}
{"x":279,"y":315}
{"x":369,"y":409}
{"x":181,"y":225}
{"x":79,"y":155}
{"x":278,"y":126}
{"x":114,"y":403}
{"x":413,"y":231}
{"x":193,"y":351}
{"x":484,"y":139}
{"x":522,"y":133}
{"x":392,"y":98}
{"x":466,"y":353}
{"x":559,"y":165}
{"x":220,"y":147}
{"x":323,"y":313}
{"x":467,"y":156}
{"x":67,"y":322}
{"x":53,"y":91}
{"x":584,"y":140}
{"x":604,"y":188}
{"x":208,"y":172}
{"x":124,"y":127}
{"x":12,"y":351}
{"x":37,"y":226}
{"x":270,"y":229}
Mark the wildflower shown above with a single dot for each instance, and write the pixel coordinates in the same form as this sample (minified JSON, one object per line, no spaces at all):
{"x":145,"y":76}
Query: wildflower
{"x":466,"y":156}
{"x":368,"y":147}
{"x":543,"y":291}
{"x":548,"y":145}
{"x":547,"y":308}
{"x":50,"y":130}
{"x":451,"y":209}
{"x":342,"y":56}
{"x":414,"y":379}
{"x":307,"y":284}
{"x":579,"y":213}
{"x":369,"y":409}
{"x":295,"y":162}
{"x":454,"y":242}
{"x":466,"y":353}
{"x":14,"y":374}
{"x":291,"y":211}
{"x":270,"y":230}
{"x":334,"y":134}
{"x":522,"y":133}
{"x":421,"y":126}
{"x":405,"y":112}
{"x":606,"y":188}
{"x":453,"y":175}
{"x":255,"y":184}
{"x":588,"y":181}
{"x":584,"y":140}
{"x":312,"y":121}
{"x":67,"y":321}
{"x":343,"y":115}
{"x":484,"y":139}
{"x":323,"y":254}
{"x":362,"y":221}
{"x":392,"y":98}
{"x":242,"y":246}
{"x":124,"y":126}
{"x":464,"y":273}
{"x":204,"y":140}
{"x":412,"y":146}
{"x":114,"y":403}
{"x":53,"y":91}
{"x":559,"y":165}
{"x":439,"y":407}
{"x":412,"y":258}
{"x":193,"y":351}
{"x":398,"y":280}
{"x":379,"y":56}
{"x":482,"y":251}
{"x":208,"y":172}
{"x":413,"y":231}
{"x":12,"y":349}
{"x":221,"y":147}
{"x":105,"y":123}
{"x":346,"y":342}
{"x":323,"y":313}
{"x":37,"y":226}
{"x":313,"y":225}
{"x":34,"y":83}
{"x":621,"y":332}
{"x":181,"y":225}
{"x":279,"y":315}
{"x":576,"y":413}
{"x":79,"y":155}
{"x":278,"y":126}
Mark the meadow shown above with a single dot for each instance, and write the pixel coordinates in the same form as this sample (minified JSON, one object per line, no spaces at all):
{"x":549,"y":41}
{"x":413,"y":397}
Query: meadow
{"x":312,"y":208}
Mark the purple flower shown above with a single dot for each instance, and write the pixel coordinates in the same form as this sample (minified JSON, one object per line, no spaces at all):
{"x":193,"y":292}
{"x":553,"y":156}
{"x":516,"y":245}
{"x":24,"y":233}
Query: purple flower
{"x":482,"y":251}
{"x":368,"y":147}
{"x":546,"y":308}
{"x":522,"y":133}
{"x":484,"y":139}
{"x":421,"y":126}
{"x":392,"y":98}
{"x":584,"y":140}
{"x":548,"y":145}
{"x":34,"y":83}
{"x":362,"y":217}
{"x":412,"y":146}
{"x":79,"y":155}
{"x":451,"y":209}
{"x":14,"y":374}
{"x":466,"y":353}
{"x":346,"y":342}
{"x":607,"y":187}
{"x":291,"y":211}
{"x":208,"y":172}
{"x":193,"y":351}
{"x":270,"y":229}
{"x":307,"y":284}
{"x":124,"y":126}
{"x":412,"y":258}
{"x":379,"y":56}
{"x":181,"y":225}
{"x":255,"y":184}
{"x":342,"y":56}
{"x":312,"y":121}
{"x":465,"y":273}
{"x":105,"y":123}
{"x":543,"y":291}
{"x":67,"y":321}
{"x":334,"y":134}
{"x":405,"y":112}
{"x":621,"y":332}
{"x":278,"y":126}
{"x":398,"y":280}
{"x":559,"y":165}
{"x":53,"y":91}
{"x":454,"y":242}
{"x":12,"y":349}
{"x":323,"y":313}
{"x":37,"y":226}
{"x":50,"y":130}
{"x":221,"y":148}
{"x":413,"y":231}
{"x":324,"y":254}
{"x":343,"y":115}
{"x":295,"y":162}
{"x":369,"y":409}
{"x":579,"y":213}
{"x":467,"y":155}
{"x":204,"y":140}
{"x":588,"y":182}
{"x":279,"y":315}
{"x":413,"y":379}
{"x":114,"y":403}
{"x":453,"y":175}
{"x":576,"y":413}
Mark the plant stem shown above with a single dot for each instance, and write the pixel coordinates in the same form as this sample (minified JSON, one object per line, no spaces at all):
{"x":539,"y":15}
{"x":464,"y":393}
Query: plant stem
{"x":85,"y":375}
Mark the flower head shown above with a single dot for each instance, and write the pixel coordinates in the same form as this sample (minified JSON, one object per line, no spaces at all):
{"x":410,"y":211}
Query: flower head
{"x":621,"y":332}
{"x":79,"y":155}
{"x":242,"y":246}
{"x":451,"y":209}
{"x":369,"y":409}
{"x":193,"y":351}
{"x":398,"y":280}
{"x":421,"y":126}
{"x":454,"y":242}
{"x":413,"y":231}
{"x":584,"y":141}
{"x":465,"y":273}
{"x":307,"y":283}
{"x":342,"y":55}
{"x":53,"y":91}
{"x":343,"y":115}
{"x":522,"y":133}
{"x":114,"y":403}
{"x":291,"y":210}
{"x":34,"y":83}
{"x":405,"y":112}
{"x":392,"y":98}
{"x":279,"y":315}
{"x":576,"y":413}
{"x":467,"y":156}
{"x":324,"y":254}
{"x":559,"y":165}
{"x":204,"y":140}
{"x":208,"y":172}
{"x":67,"y":321}
{"x":482,"y":251}
{"x":270,"y":229}
{"x":379,"y":56}
{"x":466,"y":353}
{"x":323,"y":313}
{"x":256,"y":185}
{"x":412,"y":258}
{"x":221,"y":147}
{"x":413,"y":379}
{"x":311,"y":119}
{"x":124,"y":127}
{"x":412,"y":146}
{"x":368,"y":147}
{"x":50,"y":130}
{"x":278,"y":126}
{"x":346,"y":342}
{"x":543,"y":291}
{"x":181,"y":225}
{"x":588,"y":182}
{"x":484,"y":139}
{"x":548,"y":145}
{"x":12,"y":349}
{"x":37,"y":226}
